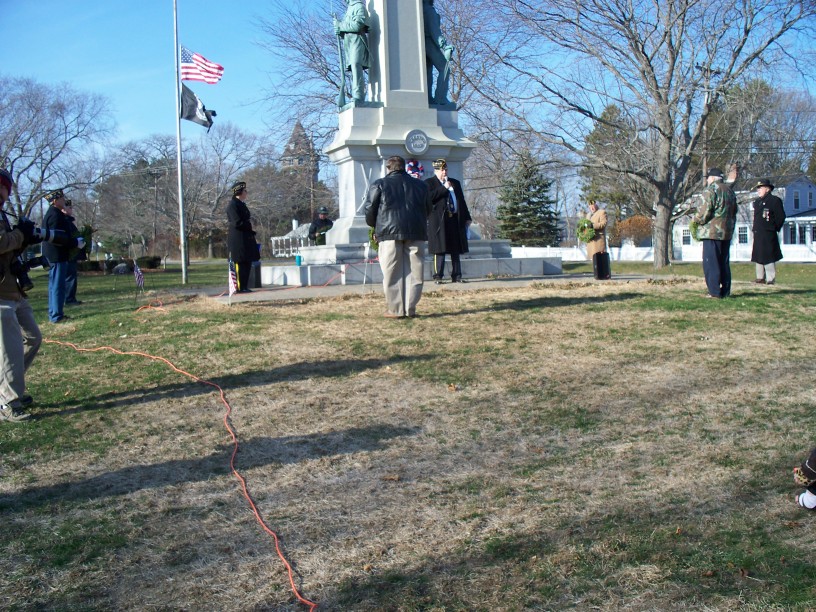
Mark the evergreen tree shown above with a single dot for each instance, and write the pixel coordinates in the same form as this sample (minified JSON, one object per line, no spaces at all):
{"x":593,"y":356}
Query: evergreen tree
{"x":527,"y":214}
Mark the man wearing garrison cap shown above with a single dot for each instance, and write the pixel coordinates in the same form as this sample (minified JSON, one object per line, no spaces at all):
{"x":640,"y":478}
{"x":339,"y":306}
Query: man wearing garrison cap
{"x":448,"y":222}
{"x":716,"y":218}
{"x":57,"y":253}
{"x":240,"y":237}
{"x":769,"y":217}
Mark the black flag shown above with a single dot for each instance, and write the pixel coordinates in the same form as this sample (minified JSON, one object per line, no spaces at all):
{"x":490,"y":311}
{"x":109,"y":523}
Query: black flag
{"x":193,"y":109}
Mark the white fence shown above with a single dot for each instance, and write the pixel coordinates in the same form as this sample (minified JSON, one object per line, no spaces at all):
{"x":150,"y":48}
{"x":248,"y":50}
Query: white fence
{"x":288,"y":247}
{"x":692,"y":252}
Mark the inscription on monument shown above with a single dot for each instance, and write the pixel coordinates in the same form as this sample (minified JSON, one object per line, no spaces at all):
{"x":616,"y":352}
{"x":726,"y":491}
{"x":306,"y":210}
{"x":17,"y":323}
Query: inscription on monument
{"x":416,"y":142}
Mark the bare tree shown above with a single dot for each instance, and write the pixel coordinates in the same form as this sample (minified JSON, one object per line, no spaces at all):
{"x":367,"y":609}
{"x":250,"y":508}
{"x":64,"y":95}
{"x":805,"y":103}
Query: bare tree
{"x":45,"y":133}
{"x":665,"y":64}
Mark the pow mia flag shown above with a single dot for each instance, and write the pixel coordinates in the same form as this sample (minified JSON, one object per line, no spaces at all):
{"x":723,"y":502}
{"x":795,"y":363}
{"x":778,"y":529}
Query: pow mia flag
{"x":193,"y":109}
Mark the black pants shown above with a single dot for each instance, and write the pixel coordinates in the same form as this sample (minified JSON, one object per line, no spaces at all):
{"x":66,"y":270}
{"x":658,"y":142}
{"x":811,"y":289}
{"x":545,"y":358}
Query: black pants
{"x":439,"y":266}
{"x":717,"y":267}
{"x":242,"y":269}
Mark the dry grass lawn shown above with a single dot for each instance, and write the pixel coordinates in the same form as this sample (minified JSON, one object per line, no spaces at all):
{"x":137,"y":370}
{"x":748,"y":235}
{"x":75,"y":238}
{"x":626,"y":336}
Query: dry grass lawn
{"x":563,"y":445}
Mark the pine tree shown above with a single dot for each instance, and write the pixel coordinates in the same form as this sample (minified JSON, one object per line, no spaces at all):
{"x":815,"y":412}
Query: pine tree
{"x":527,"y":214}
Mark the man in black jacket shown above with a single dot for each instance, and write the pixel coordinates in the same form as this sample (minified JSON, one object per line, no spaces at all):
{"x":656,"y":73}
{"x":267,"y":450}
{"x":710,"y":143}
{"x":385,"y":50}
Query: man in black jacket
{"x":769,"y":217}
{"x":448,"y":223}
{"x":397,"y":207}
{"x":56,"y":252}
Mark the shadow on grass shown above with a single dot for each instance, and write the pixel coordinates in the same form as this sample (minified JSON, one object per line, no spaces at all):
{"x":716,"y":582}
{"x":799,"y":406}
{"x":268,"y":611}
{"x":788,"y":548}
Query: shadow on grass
{"x":329,"y":368}
{"x":542,"y":302}
{"x":253,"y":453}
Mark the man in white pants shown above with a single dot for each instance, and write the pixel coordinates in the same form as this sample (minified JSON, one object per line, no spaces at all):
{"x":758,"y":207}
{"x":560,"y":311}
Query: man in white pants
{"x":20,"y":337}
{"x":397,"y":207}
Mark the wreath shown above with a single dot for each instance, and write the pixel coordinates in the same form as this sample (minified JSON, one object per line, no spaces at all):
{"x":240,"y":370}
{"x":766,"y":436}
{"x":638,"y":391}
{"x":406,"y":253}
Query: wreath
{"x":584,"y":230}
{"x":693,"y":228}
{"x":372,"y":240}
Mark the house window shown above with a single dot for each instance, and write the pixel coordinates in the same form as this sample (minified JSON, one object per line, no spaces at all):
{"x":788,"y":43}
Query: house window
{"x":813,"y":233}
{"x":742,"y":234}
{"x":792,"y":234}
{"x":810,"y":199}
{"x":802,"y":235}
{"x":687,"y":236}
{"x":795,"y":200}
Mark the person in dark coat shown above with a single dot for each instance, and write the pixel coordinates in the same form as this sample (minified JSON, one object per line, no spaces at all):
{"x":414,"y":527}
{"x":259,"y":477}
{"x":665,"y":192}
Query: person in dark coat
{"x":319,"y":227}
{"x":241,"y":239}
{"x":769,"y":217}
{"x":57,"y":253}
{"x":397,"y":207}
{"x":448,"y":222}
{"x":74,"y":256}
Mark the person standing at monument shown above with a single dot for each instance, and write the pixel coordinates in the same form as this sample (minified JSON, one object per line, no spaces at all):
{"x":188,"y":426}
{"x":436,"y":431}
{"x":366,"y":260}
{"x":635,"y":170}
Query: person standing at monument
{"x":769,"y":217}
{"x":240,"y":237}
{"x":448,"y":222}
{"x":716,"y":219}
{"x":319,"y":227}
{"x":438,"y":53}
{"x":353,"y":29}
{"x":397,"y":207}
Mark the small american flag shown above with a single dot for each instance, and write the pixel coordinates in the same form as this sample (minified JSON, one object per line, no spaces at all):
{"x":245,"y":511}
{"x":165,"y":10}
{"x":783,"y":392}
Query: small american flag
{"x":137,"y":274}
{"x":195,"y":67}
{"x":233,"y":278}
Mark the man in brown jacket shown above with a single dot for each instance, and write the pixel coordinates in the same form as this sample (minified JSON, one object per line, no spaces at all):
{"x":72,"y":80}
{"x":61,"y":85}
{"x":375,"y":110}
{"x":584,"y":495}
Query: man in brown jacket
{"x":20,"y":336}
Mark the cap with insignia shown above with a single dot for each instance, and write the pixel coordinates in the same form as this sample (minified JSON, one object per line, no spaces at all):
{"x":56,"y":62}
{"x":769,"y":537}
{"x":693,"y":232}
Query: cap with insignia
{"x":238,"y":187}
{"x":716,"y":172}
{"x":764,"y":183}
{"x":55,"y":195}
{"x":440,"y":164}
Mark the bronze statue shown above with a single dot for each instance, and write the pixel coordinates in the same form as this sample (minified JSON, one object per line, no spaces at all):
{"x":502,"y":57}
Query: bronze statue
{"x":438,"y":54}
{"x":353,"y":30}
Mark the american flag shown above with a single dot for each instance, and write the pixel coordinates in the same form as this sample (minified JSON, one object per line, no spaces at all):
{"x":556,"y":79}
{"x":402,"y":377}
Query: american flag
{"x":137,"y":274}
{"x":233,"y":278}
{"x":195,"y":67}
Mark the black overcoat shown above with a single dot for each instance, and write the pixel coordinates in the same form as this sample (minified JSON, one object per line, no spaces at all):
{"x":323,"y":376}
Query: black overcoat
{"x":447,"y":233}
{"x":240,"y":237}
{"x":769,"y":217}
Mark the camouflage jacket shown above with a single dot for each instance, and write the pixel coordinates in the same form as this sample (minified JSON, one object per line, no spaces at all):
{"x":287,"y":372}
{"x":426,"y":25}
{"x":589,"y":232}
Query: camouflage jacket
{"x":717,"y":215}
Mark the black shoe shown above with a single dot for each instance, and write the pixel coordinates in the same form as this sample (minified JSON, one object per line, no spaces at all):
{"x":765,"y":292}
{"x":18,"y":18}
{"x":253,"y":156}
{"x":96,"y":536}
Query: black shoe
{"x":770,"y":283}
{"x":458,"y":280}
{"x":74,"y":303}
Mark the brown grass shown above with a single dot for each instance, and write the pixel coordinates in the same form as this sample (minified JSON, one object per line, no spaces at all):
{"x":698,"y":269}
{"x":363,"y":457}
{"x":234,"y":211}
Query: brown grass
{"x":554,"y":446}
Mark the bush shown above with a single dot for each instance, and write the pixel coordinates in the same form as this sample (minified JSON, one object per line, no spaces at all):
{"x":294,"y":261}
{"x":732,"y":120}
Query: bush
{"x":149,"y":262}
{"x":637,"y":229}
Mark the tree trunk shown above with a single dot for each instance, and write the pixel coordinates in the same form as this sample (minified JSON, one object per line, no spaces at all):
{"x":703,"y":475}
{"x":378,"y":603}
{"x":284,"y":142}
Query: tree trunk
{"x":662,"y":234}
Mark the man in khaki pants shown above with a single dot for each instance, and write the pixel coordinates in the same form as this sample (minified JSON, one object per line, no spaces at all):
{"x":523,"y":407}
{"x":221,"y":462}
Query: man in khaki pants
{"x":397,"y":207}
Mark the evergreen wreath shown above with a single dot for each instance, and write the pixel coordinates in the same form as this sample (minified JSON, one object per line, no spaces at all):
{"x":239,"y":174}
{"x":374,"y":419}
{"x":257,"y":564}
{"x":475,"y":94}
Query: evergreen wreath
{"x":584,"y":230}
{"x":372,"y":240}
{"x":693,"y":228}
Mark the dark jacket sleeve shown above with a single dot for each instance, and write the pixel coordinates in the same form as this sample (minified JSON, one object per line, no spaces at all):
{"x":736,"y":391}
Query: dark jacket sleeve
{"x":372,"y":203}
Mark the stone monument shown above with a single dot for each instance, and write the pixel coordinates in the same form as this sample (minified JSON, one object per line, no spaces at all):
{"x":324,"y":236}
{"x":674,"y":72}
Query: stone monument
{"x":396,"y":119}
{"x":398,"y":116}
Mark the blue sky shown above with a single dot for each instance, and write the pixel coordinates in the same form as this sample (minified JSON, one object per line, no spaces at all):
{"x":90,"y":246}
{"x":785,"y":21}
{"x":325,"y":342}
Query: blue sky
{"x":124,"y":50}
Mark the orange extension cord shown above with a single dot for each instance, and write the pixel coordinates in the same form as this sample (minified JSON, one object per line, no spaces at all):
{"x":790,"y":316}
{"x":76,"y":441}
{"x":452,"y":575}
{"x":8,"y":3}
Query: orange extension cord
{"x":312,"y":605}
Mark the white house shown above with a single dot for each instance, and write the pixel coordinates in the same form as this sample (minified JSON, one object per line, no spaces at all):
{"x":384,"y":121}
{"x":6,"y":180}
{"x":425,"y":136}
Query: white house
{"x":797,"y":237}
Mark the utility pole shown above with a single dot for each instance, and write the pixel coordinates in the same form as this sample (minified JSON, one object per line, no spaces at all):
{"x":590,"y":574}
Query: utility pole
{"x":709,"y":72}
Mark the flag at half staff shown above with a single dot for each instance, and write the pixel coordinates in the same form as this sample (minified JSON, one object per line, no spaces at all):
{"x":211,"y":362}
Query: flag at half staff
{"x":233,"y":278}
{"x":195,"y":67}
{"x":193,"y":109}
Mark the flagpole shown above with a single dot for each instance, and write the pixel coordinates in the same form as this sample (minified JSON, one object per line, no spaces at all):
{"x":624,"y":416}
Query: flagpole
{"x":182,"y":239}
